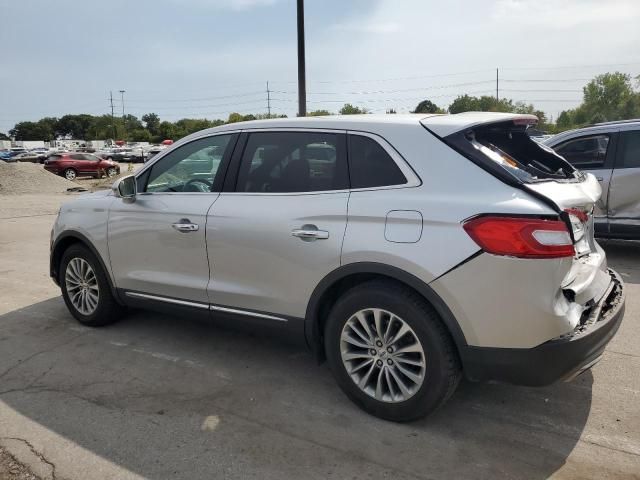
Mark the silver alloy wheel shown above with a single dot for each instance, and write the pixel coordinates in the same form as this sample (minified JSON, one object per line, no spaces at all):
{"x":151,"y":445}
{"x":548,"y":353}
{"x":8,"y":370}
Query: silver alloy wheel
{"x":70,"y":174}
{"x":111,"y":172}
{"x":82,"y":286}
{"x":382,"y":355}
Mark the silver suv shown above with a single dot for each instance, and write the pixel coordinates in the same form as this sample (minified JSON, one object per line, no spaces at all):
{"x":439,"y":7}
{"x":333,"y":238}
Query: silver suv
{"x":611,"y":151}
{"x":407,"y":251}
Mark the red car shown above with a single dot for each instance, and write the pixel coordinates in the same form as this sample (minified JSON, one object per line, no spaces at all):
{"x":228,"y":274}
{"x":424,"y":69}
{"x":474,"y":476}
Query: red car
{"x":73,"y":164}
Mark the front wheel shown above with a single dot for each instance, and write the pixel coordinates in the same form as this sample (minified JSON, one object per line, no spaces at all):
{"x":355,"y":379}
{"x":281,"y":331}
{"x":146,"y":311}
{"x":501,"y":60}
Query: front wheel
{"x":389,"y":351}
{"x":85,"y":288}
{"x":111,"y":172}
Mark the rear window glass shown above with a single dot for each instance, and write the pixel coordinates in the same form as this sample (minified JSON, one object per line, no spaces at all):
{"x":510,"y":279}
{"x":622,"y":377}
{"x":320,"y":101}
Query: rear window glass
{"x":630,"y":149}
{"x":586,"y":153}
{"x":507,"y":145}
{"x":370,"y":165}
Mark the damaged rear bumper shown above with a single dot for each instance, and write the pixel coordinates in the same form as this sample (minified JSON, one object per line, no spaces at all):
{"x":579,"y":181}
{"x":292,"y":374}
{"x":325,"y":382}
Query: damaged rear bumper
{"x":561,"y":358}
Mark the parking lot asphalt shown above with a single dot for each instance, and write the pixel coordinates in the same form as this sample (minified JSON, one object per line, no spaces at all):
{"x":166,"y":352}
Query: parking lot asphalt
{"x":155,"y":396}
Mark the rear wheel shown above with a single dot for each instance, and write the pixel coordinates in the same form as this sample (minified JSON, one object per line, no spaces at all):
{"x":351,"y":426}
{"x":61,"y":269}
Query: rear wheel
{"x":85,"y":288}
{"x":389,"y":351}
{"x":70,"y":174}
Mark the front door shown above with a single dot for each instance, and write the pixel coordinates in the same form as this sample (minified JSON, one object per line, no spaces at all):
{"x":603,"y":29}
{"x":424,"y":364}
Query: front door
{"x":280,"y":231}
{"x":624,"y":188}
{"x":157,"y":242}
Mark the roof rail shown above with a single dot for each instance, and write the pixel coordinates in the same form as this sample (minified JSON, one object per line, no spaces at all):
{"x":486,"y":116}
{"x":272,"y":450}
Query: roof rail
{"x":613,"y":122}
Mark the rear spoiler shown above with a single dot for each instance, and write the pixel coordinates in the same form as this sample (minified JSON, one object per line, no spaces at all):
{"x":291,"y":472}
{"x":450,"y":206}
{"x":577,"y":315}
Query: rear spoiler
{"x":444,"y":125}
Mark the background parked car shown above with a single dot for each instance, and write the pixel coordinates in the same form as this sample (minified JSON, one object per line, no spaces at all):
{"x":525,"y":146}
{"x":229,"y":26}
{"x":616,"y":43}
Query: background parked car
{"x":611,"y":151}
{"x":33,"y":157}
{"x":76,"y":164}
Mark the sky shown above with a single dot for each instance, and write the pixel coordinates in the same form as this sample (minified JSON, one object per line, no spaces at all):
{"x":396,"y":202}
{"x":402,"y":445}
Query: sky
{"x":207,"y":58}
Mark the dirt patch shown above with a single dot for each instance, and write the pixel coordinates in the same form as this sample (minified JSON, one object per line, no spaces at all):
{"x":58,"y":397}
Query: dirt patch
{"x":11,"y":469}
{"x":18,"y":178}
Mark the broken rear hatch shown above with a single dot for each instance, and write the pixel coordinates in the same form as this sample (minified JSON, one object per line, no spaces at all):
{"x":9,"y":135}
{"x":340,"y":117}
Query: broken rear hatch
{"x":499,"y":143}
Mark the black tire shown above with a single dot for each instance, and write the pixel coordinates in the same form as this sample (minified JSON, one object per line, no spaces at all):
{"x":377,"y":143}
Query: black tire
{"x":442,"y":365}
{"x":108,"y":310}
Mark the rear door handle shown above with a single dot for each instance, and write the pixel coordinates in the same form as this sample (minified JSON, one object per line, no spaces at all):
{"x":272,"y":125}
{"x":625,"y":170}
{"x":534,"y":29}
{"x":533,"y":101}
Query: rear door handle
{"x":185,"y":226}
{"x":310,"y":232}
{"x":600,"y":179}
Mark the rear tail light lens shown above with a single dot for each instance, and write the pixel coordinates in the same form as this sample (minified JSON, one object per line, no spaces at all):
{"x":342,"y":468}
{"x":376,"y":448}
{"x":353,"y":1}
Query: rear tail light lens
{"x":521,"y":236}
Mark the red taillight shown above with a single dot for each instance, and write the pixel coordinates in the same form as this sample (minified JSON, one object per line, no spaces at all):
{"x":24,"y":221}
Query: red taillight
{"x":521,"y":236}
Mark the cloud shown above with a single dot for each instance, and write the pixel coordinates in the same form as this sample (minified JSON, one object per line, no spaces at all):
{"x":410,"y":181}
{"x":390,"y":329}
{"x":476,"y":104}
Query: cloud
{"x":236,"y":5}
{"x":367,"y":27}
{"x":563,"y":15}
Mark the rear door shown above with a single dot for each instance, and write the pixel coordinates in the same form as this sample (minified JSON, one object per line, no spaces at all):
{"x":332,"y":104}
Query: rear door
{"x":278,"y":228}
{"x":624,"y":187}
{"x":593,"y":153}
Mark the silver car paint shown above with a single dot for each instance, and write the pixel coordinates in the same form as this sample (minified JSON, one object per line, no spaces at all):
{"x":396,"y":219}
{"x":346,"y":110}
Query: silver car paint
{"x":148,"y":255}
{"x":255,"y":263}
{"x":620,"y":201}
{"x":87,"y":215}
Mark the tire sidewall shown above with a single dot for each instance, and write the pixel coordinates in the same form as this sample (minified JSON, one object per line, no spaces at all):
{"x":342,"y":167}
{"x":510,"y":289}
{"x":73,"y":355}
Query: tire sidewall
{"x":421,"y":320}
{"x":70,"y":170}
{"x":77,"y":251}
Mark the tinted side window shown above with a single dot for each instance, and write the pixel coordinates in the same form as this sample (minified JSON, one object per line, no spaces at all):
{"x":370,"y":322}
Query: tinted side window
{"x":189,"y":168}
{"x":630,"y":149}
{"x":370,"y":165}
{"x":76,"y":156}
{"x":586,"y":153}
{"x":280,"y":162}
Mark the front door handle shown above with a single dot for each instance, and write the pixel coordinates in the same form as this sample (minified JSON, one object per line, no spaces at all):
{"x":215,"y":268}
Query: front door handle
{"x":309,"y":233}
{"x":185,"y":226}
{"x":600,"y":179}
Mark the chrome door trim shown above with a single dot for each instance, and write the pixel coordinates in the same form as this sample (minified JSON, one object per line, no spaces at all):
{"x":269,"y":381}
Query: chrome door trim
{"x":217,"y":308}
{"x":175,"y":301}
{"x":214,"y":308}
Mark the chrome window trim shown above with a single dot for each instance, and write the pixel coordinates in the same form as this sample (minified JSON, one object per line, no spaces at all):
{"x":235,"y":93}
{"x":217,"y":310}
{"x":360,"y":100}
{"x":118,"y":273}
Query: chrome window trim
{"x":412,"y":178}
{"x":204,"y":306}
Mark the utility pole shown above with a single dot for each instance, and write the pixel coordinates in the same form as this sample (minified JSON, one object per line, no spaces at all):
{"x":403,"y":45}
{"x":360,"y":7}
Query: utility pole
{"x":113,"y":121}
{"x":268,"y":101}
{"x":497,"y":83}
{"x":124,"y":122}
{"x":302,"y":86}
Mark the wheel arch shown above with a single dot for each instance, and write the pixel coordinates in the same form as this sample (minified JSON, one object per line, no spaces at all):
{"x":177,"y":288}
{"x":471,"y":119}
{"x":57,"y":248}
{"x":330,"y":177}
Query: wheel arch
{"x":66,"y":240}
{"x":347,"y":276}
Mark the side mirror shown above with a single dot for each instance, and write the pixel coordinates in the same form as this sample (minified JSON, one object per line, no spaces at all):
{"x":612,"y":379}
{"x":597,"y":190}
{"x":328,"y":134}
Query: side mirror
{"x":125,"y":187}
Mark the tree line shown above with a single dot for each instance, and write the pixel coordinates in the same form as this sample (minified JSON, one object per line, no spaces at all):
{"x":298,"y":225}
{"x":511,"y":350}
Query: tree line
{"x":607,"y":97}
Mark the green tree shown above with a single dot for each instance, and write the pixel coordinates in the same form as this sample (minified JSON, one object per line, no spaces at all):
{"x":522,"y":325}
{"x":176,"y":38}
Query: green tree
{"x":4,"y":136}
{"x":30,"y":131}
{"x":349,"y":109}
{"x":427,"y":106}
{"x":151,"y":123}
{"x":485,"y":103}
{"x":610,"y":96}
{"x":318,"y":113}
{"x":234,"y":117}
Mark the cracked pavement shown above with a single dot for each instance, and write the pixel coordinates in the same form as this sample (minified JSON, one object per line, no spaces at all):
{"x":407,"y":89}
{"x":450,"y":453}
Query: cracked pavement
{"x":156,"y":396}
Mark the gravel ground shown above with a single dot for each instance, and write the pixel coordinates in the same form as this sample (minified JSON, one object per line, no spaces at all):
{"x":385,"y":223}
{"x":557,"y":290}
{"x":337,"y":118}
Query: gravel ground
{"x":20,"y":178}
{"x":11,"y":469}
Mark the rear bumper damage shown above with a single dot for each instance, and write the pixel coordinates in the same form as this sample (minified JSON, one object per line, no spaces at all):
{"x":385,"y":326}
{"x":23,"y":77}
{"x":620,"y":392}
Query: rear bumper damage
{"x":561,"y":358}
